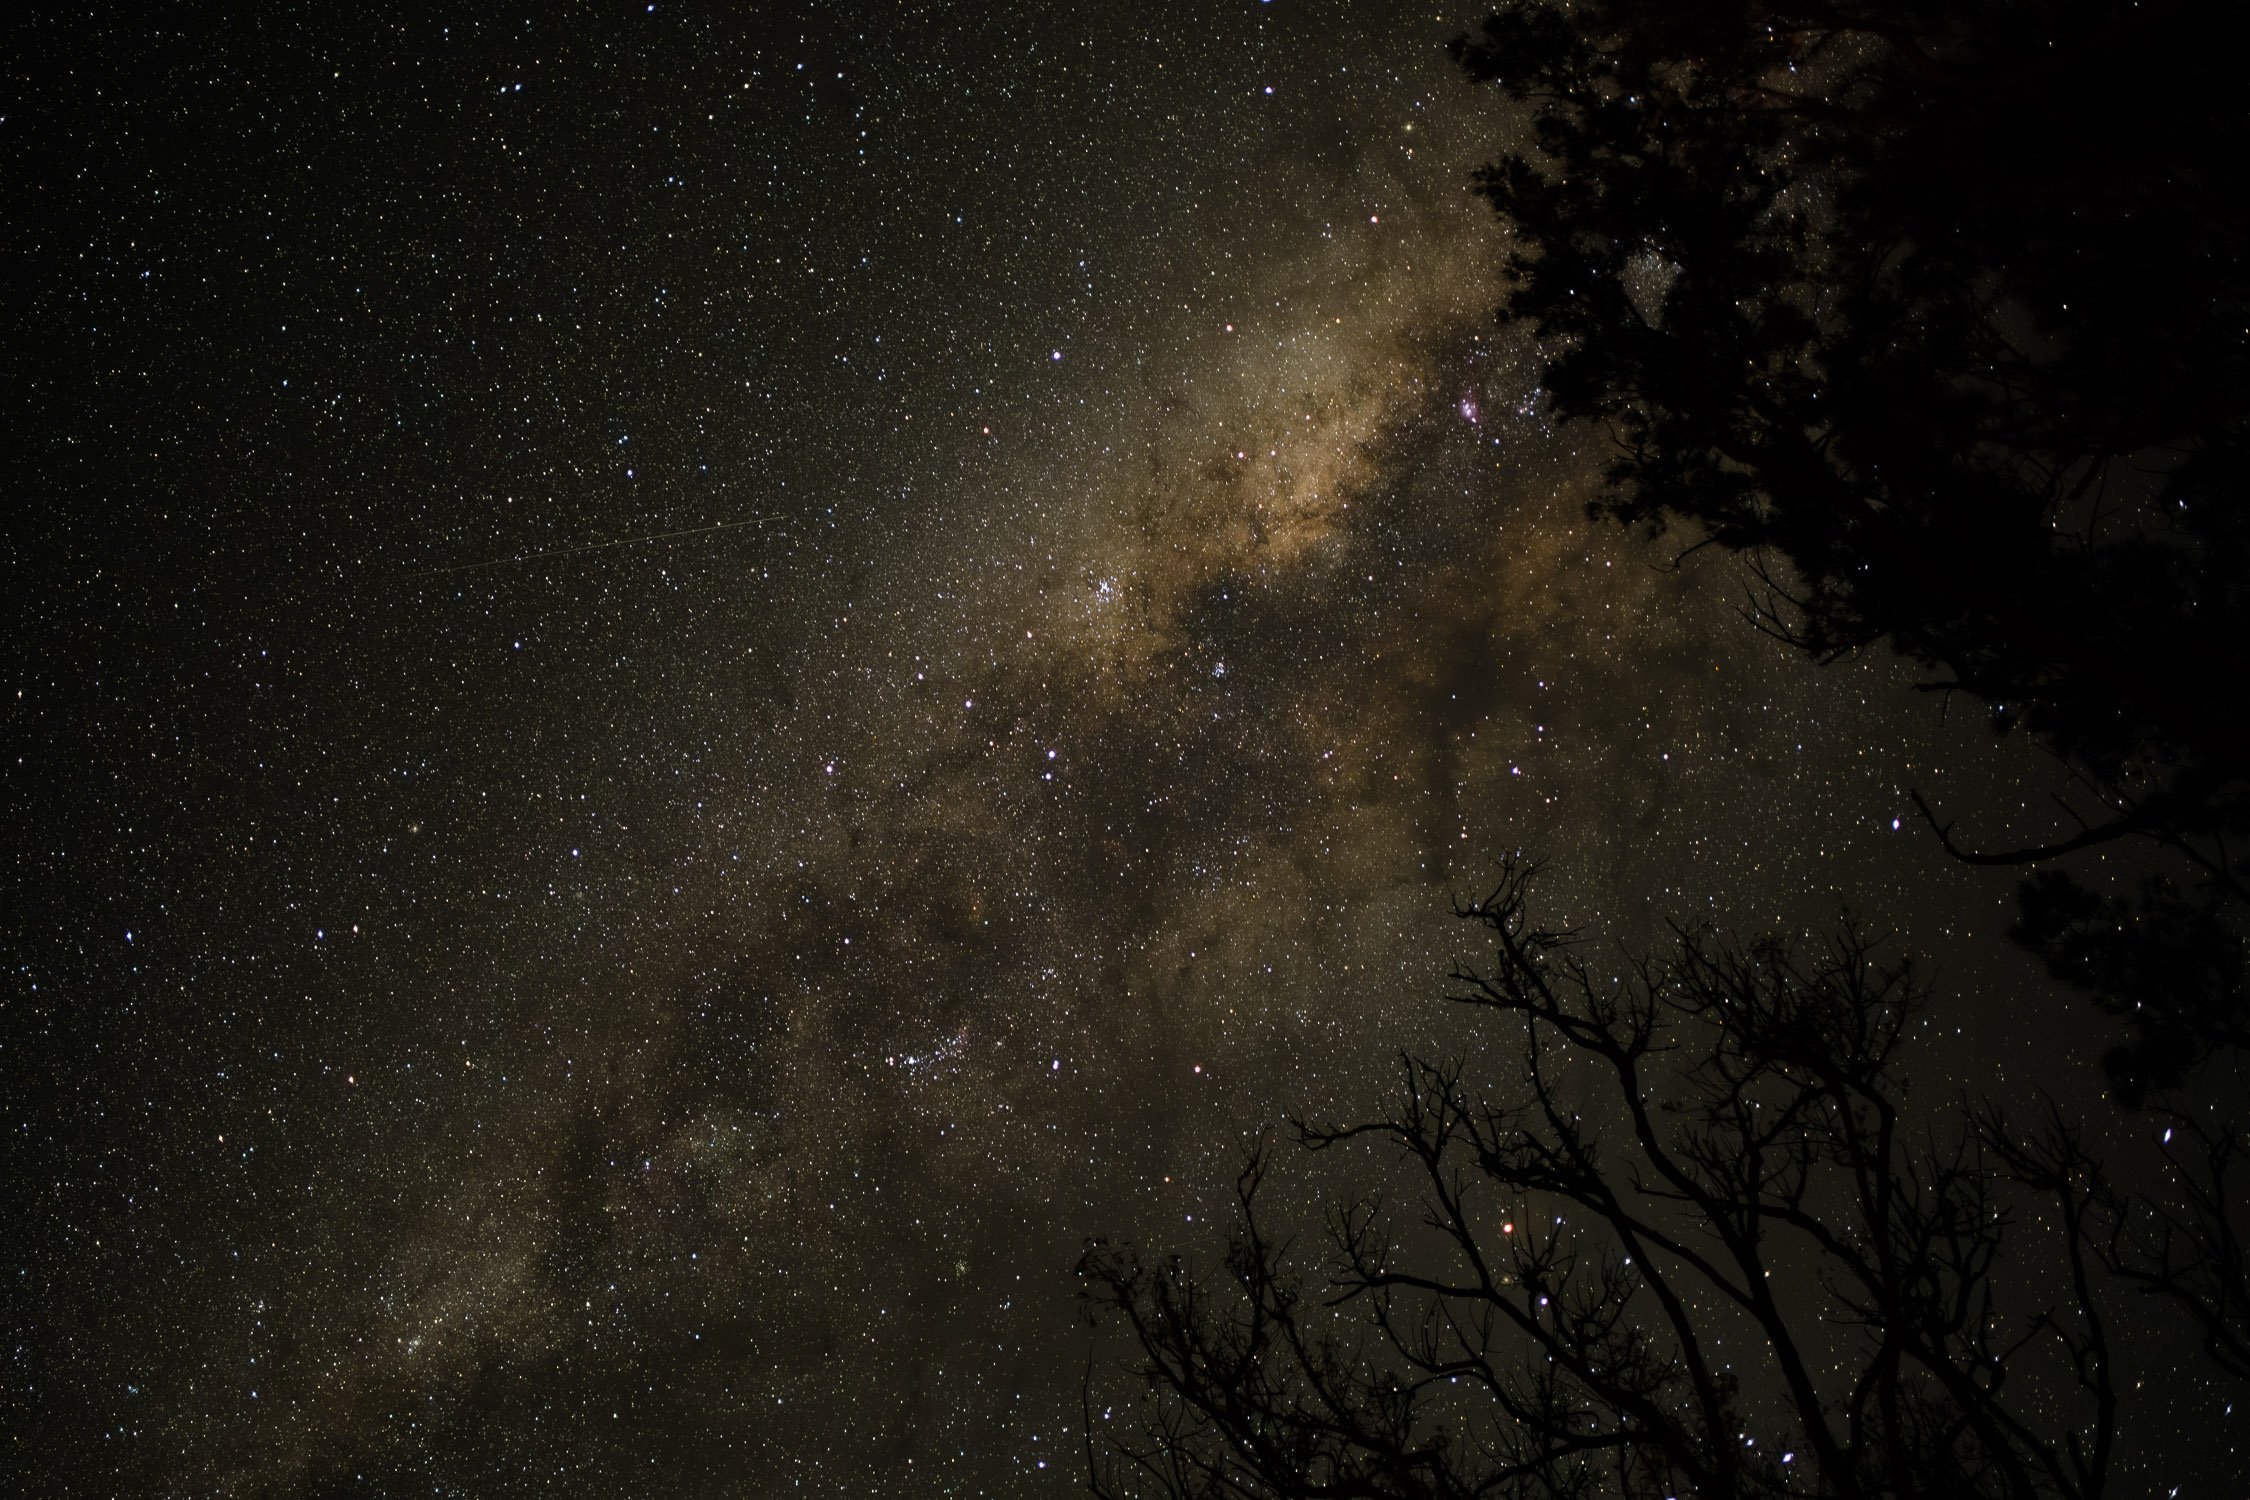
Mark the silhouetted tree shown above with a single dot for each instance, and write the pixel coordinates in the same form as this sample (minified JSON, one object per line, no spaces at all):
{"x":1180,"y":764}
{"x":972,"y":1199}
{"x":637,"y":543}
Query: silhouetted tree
{"x":2188,"y":1244}
{"x":1937,"y":311}
{"x":1697,"y":1247}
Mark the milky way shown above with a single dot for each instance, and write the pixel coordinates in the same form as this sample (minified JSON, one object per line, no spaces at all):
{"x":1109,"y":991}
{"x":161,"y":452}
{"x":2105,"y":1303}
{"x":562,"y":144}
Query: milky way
{"x":664,"y":1018}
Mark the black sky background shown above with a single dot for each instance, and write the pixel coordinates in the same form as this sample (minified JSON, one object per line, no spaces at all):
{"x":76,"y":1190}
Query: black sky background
{"x":485,"y":1017}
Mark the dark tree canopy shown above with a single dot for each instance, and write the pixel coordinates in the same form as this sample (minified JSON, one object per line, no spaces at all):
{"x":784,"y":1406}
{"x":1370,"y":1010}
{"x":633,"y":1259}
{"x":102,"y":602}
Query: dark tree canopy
{"x":1938,"y":311}
{"x":1726,"y":1260}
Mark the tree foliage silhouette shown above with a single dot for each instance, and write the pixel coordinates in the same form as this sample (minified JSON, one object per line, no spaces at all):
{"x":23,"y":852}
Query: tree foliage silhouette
{"x":1936,"y":311}
{"x":1736,"y":1266}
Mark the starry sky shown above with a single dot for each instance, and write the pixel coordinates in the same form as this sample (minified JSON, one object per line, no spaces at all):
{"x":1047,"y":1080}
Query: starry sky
{"x":694,"y":684}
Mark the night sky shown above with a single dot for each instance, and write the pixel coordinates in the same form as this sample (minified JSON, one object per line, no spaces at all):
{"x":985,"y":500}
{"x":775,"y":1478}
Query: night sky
{"x":694,"y":686}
